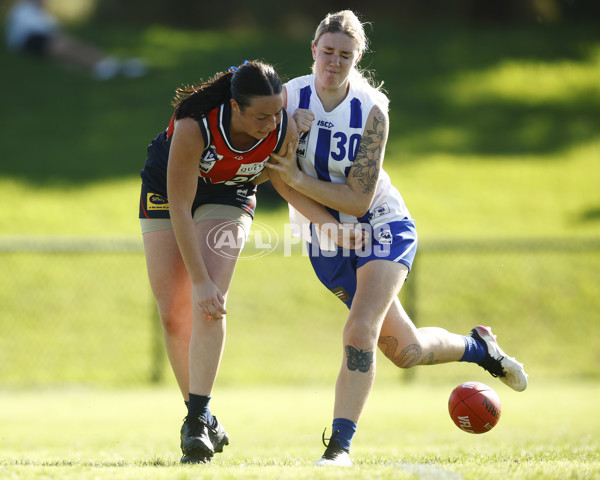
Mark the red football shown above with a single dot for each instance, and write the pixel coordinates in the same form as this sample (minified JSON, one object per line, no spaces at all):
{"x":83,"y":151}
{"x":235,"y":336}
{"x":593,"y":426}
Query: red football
{"x":474,"y":407}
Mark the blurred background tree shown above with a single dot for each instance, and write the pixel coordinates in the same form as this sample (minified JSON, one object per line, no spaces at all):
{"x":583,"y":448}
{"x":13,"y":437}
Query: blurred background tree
{"x":194,"y":14}
{"x":266,"y":13}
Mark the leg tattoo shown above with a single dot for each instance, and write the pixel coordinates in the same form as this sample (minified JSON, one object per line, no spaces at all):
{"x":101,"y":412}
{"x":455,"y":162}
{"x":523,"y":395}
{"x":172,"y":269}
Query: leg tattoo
{"x":429,"y":359}
{"x":390,"y":344}
{"x":360,"y":360}
{"x":409,"y":357}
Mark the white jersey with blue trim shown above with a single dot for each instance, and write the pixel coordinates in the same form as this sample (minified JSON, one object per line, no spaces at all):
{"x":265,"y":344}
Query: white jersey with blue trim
{"x":328,"y":149}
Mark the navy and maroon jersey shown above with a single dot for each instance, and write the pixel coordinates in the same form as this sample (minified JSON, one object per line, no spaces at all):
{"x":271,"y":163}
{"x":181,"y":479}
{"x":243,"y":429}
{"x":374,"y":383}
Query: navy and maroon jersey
{"x":225,"y":173}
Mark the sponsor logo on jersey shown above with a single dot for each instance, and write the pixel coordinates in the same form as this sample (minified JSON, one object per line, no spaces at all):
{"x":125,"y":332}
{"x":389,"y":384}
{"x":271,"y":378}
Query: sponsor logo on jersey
{"x":379,"y":210}
{"x":323,"y":123}
{"x":155,"y":201}
{"x":250,"y":168}
{"x":302,"y":144}
{"x":241,"y":194}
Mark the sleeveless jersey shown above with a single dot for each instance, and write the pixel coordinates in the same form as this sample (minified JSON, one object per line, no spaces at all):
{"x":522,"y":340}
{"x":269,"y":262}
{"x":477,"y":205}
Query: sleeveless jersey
{"x":328,"y":149}
{"x":224,"y":171}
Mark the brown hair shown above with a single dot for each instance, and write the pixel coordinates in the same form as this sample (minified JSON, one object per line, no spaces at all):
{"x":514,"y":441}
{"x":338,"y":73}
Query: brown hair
{"x":252,"y":79}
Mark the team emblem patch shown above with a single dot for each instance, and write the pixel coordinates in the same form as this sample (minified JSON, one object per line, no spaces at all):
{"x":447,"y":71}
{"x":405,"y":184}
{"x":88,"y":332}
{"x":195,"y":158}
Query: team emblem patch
{"x":341,"y":293}
{"x":209,"y":159}
{"x":384,"y":237}
{"x":155,"y":201}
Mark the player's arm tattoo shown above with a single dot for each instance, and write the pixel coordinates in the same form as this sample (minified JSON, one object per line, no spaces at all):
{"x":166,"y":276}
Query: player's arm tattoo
{"x":366,"y":163}
{"x":358,"y":359}
{"x":408,"y":357}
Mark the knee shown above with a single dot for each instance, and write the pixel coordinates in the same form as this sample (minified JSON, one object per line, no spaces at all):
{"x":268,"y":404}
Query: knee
{"x":360,"y":334}
{"x":176,"y":321}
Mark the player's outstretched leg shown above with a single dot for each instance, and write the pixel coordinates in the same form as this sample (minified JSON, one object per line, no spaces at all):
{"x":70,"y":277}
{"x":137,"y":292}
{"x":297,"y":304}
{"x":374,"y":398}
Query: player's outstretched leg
{"x":498,"y":363}
{"x":200,"y":441}
{"x":334,"y":454}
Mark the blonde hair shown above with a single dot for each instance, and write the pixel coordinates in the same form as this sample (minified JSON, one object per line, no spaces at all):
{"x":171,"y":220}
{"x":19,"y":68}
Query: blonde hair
{"x":346,"y":21}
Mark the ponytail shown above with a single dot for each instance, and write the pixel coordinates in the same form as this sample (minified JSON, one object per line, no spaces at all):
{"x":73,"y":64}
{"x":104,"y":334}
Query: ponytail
{"x":251,"y":79}
{"x":197,"y":100}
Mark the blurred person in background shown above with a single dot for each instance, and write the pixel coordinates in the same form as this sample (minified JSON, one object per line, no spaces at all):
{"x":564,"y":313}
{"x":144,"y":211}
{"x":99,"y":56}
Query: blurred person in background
{"x":31,"y":28}
{"x":197,"y":203}
{"x":343,"y":126}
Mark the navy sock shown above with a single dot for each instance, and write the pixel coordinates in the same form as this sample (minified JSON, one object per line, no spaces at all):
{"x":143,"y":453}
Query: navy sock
{"x":198,"y":406}
{"x":475,"y":351}
{"x":346,"y":430}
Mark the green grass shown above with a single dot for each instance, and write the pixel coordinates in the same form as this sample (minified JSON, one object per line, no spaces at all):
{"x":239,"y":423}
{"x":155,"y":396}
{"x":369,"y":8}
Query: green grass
{"x":494,"y":131}
{"x":550,"y":431}
{"x":494,"y":134}
{"x":88,"y":318}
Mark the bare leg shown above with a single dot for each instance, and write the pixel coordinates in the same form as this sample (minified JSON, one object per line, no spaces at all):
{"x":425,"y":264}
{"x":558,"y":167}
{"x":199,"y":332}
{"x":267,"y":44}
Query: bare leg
{"x":189,"y":337}
{"x":170,"y":285}
{"x":208,"y":336}
{"x":68,"y":50}
{"x":407,"y":346}
{"x":378,"y":283}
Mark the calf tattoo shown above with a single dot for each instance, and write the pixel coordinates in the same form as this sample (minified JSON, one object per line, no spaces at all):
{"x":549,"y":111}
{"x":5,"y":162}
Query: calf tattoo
{"x":408,"y":357}
{"x":360,"y":360}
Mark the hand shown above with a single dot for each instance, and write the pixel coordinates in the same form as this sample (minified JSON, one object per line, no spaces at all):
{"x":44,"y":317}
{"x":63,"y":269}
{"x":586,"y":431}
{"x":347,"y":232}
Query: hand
{"x":207,"y":297}
{"x":286,"y":165}
{"x":303,"y":119}
{"x":347,"y":235}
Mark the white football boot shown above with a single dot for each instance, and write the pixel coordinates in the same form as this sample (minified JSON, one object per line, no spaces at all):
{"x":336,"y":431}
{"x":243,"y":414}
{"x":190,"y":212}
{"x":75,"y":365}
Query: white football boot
{"x":498,"y":363}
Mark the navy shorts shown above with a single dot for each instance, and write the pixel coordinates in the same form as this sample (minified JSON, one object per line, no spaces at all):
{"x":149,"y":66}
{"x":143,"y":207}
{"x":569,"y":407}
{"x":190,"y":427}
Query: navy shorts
{"x":395,"y":241}
{"x":156,"y":205}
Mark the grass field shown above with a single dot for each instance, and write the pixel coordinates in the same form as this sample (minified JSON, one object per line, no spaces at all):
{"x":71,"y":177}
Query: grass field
{"x":502,"y":119}
{"x":494,"y":135}
{"x":550,"y":431}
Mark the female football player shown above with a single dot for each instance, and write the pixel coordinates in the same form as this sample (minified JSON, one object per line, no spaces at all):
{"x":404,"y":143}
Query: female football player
{"x":198,"y":193}
{"x":343,"y":125}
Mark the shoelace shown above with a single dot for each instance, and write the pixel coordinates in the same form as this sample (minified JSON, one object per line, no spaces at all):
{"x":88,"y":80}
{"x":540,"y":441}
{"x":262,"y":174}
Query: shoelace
{"x":333,"y":437}
{"x":333,"y":447}
{"x":195,"y":425}
{"x":494,"y":366}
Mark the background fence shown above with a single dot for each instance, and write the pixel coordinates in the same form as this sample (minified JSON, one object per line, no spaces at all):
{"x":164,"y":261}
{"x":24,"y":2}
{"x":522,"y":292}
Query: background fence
{"x":80,"y":311}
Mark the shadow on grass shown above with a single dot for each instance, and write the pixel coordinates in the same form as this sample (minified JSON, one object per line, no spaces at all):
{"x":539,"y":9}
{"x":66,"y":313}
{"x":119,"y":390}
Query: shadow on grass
{"x":592,"y":214}
{"x":63,"y":126}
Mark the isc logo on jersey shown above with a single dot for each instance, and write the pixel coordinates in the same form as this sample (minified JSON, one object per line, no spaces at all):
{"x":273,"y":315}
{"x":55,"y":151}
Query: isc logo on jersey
{"x":208,"y":160}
